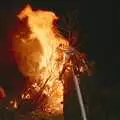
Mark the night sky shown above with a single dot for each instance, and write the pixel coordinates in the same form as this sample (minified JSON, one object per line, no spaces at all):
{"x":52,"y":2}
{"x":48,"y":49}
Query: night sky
{"x":97,"y":27}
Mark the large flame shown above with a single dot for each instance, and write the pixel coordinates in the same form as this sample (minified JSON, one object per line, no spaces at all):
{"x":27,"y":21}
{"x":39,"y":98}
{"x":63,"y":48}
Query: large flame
{"x":43,"y":59}
{"x":46,"y":59}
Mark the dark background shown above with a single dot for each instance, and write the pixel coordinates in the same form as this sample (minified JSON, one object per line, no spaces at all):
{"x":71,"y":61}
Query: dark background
{"x":98,"y":28}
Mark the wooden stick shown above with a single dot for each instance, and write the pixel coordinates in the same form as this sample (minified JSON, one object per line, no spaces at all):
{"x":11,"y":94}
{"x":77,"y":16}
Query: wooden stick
{"x":80,"y":99}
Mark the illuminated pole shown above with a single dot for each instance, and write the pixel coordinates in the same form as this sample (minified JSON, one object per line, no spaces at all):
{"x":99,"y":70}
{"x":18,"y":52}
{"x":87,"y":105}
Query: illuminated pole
{"x":80,"y":99}
{"x":70,"y":52}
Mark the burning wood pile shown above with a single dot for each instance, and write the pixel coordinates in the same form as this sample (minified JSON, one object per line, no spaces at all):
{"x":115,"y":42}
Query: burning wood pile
{"x":46,"y":59}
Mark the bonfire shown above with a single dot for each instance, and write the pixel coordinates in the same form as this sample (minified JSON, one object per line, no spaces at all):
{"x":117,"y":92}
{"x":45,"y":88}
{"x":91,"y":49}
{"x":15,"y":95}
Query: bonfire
{"x":46,"y":59}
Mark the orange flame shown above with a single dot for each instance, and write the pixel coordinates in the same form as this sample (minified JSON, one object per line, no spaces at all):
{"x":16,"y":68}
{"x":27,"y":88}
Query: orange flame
{"x":43,"y":58}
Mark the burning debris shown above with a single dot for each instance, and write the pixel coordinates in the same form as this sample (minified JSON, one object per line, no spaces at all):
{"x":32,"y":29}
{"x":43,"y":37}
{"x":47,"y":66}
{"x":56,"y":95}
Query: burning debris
{"x":45,"y":58}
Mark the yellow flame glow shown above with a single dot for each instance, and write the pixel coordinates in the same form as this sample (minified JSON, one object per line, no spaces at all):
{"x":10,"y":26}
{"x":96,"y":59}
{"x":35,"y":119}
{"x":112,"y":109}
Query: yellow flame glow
{"x":42,"y":58}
